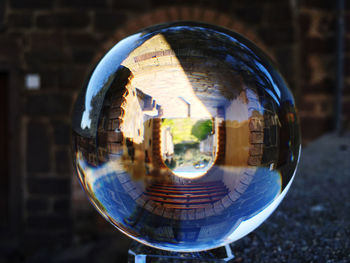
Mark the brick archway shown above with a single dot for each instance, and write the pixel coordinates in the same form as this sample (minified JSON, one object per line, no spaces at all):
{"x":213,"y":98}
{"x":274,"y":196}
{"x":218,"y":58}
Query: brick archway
{"x":171,"y":14}
{"x":181,"y":13}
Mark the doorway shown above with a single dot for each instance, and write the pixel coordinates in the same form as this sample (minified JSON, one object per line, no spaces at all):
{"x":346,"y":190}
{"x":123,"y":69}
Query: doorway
{"x":4,"y":174}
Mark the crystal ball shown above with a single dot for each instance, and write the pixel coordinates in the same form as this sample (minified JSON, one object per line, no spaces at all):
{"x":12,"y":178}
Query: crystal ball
{"x":185,"y":136}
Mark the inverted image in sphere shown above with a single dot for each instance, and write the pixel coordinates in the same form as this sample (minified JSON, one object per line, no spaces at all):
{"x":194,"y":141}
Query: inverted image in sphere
{"x":185,"y":136}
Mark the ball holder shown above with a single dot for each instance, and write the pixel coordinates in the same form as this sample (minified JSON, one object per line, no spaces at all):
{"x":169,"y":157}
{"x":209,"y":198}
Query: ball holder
{"x":139,"y":253}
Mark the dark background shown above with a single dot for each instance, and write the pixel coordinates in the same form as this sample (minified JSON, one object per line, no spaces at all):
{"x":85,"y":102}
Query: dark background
{"x":43,"y":209}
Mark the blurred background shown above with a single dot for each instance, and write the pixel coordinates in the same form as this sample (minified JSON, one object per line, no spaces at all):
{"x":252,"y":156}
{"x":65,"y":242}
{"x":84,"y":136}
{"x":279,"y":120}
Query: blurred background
{"x":48,"y":47}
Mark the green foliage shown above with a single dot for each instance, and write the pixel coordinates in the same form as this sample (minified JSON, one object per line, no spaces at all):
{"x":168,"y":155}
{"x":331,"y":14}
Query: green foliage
{"x":188,"y":130}
{"x":201,"y":129}
{"x":181,"y":130}
{"x":187,"y":134}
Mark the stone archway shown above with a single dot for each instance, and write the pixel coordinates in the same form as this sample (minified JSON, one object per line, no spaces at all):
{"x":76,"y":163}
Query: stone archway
{"x":181,"y":13}
{"x":184,"y":13}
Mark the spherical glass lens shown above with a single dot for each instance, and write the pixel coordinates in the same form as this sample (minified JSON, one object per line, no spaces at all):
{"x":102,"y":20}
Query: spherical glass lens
{"x":185,"y":137}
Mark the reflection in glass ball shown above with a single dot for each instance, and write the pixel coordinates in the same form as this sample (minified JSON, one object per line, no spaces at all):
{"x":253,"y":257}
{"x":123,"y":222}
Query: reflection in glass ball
{"x":185,"y":137}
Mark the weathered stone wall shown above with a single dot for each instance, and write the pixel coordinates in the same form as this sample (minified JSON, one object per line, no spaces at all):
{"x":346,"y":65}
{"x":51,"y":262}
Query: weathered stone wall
{"x":62,"y":39}
{"x":317,"y":27}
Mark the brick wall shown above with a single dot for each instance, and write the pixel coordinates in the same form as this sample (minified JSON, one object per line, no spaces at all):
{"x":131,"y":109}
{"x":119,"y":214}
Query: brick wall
{"x":317,"y":63}
{"x":62,"y":39}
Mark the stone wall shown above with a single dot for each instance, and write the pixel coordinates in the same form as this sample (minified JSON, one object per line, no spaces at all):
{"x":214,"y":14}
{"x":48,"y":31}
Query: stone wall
{"x":317,"y":67}
{"x":61,"y":40}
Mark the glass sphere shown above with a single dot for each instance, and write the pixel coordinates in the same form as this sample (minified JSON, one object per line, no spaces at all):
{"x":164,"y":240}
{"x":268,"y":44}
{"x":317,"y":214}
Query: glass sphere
{"x":185,"y":137}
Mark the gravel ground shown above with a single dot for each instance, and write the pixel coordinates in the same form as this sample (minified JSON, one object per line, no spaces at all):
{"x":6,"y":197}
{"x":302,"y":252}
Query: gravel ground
{"x":312,"y":224}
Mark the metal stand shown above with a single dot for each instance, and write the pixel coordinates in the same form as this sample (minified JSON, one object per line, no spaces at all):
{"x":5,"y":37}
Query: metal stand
{"x":139,"y":253}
